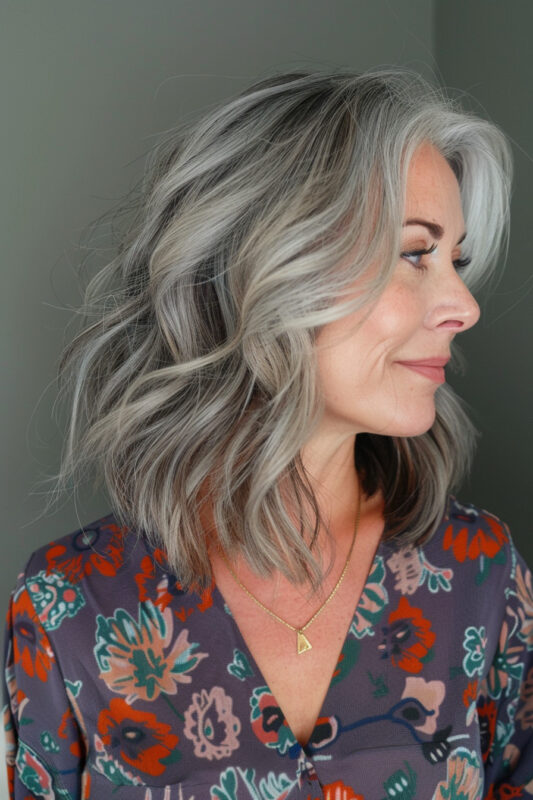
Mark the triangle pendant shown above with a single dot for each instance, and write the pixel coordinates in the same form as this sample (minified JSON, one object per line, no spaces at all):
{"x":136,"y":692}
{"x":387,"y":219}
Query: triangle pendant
{"x":303,"y":643}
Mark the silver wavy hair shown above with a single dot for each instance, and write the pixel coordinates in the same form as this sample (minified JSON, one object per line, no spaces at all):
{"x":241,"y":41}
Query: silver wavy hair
{"x":196,"y":364}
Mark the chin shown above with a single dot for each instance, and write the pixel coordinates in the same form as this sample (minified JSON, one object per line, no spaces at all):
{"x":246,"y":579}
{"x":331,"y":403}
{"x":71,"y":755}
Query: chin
{"x":413,"y":425}
{"x":417,"y":428}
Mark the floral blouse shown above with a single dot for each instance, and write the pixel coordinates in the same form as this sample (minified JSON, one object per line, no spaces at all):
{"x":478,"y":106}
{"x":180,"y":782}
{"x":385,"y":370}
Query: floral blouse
{"x":119,"y":683}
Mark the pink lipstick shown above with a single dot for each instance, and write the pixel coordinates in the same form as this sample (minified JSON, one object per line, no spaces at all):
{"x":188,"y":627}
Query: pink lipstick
{"x":432,"y":368}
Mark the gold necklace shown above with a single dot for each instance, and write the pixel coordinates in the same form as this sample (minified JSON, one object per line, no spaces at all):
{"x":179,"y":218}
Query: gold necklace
{"x":302,"y":642}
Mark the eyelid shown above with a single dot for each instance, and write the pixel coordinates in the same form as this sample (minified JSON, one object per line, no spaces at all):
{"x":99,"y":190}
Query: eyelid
{"x":421,"y":251}
{"x":419,"y":244}
{"x":459,"y":263}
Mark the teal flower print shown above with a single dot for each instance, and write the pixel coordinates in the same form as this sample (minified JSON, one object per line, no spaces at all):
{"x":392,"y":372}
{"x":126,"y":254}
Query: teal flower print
{"x":505,"y":674}
{"x":463,"y":779}
{"x":34,"y":774}
{"x":48,"y":742}
{"x":374,"y":598}
{"x":74,"y":687}
{"x":54,"y":598}
{"x":273,"y":787}
{"x":109,"y":767}
{"x":475,"y":644}
{"x":142,"y":659}
{"x":401,"y":785}
{"x":269,"y":723}
{"x":240,"y":667}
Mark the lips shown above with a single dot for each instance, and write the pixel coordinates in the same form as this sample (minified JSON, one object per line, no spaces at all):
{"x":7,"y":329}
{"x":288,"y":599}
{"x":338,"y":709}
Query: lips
{"x":432,"y":368}
{"x":438,"y":361}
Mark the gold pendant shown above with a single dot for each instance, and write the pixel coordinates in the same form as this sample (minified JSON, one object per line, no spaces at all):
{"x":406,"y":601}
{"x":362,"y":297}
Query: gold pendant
{"x":303,"y":642}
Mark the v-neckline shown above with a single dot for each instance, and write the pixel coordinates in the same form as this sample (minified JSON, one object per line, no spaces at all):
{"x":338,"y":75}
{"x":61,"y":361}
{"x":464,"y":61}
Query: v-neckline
{"x":219,"y":600}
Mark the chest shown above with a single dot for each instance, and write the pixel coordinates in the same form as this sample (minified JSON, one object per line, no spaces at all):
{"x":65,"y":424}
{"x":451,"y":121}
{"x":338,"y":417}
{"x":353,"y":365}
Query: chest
{"x":299,"y":682}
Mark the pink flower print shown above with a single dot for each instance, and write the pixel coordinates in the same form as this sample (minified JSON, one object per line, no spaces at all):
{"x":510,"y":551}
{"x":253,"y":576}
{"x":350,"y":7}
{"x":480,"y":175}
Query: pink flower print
{"x":463,"y":776}
{"x":211,"y":724}
{"x":524,"y":591}
{"x":406,"y":565}
{"x":430,"y":694}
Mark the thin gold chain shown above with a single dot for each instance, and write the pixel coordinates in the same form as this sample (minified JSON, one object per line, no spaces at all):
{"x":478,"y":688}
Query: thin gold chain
{"x":301,"y":629}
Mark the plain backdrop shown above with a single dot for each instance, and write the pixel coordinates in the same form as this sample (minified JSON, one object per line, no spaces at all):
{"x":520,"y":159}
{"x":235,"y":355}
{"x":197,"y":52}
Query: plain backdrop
{"x":87,"y":88}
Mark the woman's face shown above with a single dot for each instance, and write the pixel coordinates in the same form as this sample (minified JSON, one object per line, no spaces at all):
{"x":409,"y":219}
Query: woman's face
{"x":425,"y":304}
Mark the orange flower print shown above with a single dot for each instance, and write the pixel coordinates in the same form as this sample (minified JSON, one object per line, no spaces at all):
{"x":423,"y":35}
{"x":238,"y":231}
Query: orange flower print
{"x":469,"y":700}
{"x":30,"y":643}
{"x":211,"y":724}
{"x":472,"y":540}
{"x":269,"y":723}
{"x":165,"y":590}
{"x":89,"y":549}
{"x":68,"y":729}
{"x":408,"y":637}
{"x":142,"y":659}
{"x":339,"y":791}
{"x":136,"y":737}
{"x":470,"y":693}
{"x":152,"y":587}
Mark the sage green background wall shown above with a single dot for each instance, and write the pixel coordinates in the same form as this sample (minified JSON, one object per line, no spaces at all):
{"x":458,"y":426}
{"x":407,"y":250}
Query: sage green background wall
{"x":485,"y":49}
{"x":88,"y":86}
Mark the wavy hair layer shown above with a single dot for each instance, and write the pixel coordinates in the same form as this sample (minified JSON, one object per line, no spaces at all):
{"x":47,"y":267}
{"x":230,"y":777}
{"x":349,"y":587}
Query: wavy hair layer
{"x":196,"y":364}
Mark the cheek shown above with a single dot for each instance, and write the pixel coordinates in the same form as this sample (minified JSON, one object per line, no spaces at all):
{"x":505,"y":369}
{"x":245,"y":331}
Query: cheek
{"x":349,"y":353}
{"x":396,"y":316}
{"x":388,"y":326}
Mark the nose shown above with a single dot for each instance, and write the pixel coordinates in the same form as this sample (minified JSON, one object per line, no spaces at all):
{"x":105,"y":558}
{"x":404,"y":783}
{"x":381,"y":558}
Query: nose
{"x":453,"y":305}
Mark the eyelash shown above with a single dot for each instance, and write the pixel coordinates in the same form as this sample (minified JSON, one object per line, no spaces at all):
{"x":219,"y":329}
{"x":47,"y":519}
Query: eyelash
{"x":459,"y":263}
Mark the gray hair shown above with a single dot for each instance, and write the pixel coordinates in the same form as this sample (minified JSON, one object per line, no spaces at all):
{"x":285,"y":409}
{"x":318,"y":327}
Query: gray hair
{"x":196,"y":366}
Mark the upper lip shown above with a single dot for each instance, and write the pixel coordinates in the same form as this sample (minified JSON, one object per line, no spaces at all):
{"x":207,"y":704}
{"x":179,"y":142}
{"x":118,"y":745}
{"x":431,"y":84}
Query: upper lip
{"x":438,"y":361}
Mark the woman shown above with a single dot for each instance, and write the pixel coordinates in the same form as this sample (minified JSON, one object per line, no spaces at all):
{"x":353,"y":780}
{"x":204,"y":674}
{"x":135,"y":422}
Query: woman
{"x":286,"y":601}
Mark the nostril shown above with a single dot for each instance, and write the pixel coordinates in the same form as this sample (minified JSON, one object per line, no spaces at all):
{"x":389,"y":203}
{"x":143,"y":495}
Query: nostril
{"x":452,"y":323}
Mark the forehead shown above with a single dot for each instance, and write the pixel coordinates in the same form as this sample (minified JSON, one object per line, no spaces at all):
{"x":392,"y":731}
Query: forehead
{"x":432,"y":186}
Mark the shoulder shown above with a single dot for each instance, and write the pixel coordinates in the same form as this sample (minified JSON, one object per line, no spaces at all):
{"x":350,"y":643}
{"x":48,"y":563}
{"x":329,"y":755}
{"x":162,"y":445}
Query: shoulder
{"x":472,"y":532}
{"x":97,"y":559}
{"x":477,"y":544}
{"x":471,"y":554}
{"x":472,"y":567}
{"x":96,"y":547}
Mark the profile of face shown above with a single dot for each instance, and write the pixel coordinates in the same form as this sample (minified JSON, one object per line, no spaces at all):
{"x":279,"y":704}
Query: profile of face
{"x":424,"y":306}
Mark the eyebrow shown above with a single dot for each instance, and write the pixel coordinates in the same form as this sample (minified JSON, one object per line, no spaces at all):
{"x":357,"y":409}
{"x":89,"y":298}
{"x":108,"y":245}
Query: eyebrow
{"x":434,"y":228}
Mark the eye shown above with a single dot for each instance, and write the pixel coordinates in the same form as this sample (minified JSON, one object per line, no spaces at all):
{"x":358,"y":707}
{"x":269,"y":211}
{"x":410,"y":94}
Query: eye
{"x":416,"y":254}
{"x":459,"y":263}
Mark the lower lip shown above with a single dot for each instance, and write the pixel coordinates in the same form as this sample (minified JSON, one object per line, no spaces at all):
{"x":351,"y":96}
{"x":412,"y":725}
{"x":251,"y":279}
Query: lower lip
{"x":434,"y":373}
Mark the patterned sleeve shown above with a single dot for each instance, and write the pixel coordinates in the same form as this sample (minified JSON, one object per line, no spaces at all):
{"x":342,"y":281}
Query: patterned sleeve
{"x":44,"y":745}
{"x":505,"y":702}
